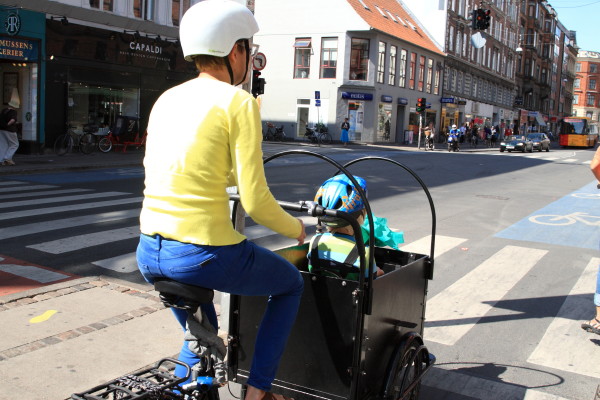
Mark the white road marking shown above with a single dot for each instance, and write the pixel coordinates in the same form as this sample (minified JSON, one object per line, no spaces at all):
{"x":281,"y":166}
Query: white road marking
{"x":565,"y":332}
{"x":125,"y":263}
{"x":25,"y":188}
{"x":454,"y":311}
{"x":6,"y":183}
{"x":43,"y":193}
{"x":60,"y":199}
{"x":48,"y":226}
{"x":423,"y":245}
{"x":78,"y":242}
{"x":34,"y":273}
{"x":54,"y":210}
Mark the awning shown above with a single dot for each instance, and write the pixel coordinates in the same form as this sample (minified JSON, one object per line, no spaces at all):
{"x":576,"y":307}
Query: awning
{"x":305,"y":43}
{"x":540,"y":120}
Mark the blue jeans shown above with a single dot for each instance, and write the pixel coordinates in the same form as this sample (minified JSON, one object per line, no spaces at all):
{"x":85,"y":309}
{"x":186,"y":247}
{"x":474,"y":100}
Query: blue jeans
{"x":597,"y":294}
{"x":240,"y":269}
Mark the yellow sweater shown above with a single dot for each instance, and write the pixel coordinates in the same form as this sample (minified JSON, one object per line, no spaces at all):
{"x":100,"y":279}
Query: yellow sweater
{"x":203,"y":136}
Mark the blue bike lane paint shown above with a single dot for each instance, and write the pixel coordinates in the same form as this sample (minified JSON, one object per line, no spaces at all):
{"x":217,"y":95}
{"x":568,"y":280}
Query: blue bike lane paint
{"x":573,"y":220}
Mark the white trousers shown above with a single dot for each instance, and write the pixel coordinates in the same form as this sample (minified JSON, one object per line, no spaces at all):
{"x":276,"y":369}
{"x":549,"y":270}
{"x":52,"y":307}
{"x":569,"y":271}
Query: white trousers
{"x":9,"y":143}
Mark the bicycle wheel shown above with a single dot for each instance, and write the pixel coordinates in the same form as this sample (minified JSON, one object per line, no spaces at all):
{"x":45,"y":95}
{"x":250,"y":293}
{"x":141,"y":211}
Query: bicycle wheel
{"x":325,"y":138}
{"x":87,"y":143}
{"x":63,"y":144}
{"x":105,"y":145}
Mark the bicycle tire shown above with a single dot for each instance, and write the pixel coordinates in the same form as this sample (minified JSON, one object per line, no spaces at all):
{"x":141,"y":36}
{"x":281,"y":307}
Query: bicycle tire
{"x":105,"y":145}
{"x":325,"y":138}
{"x":63,"y":144}
{"x":87,"y":143}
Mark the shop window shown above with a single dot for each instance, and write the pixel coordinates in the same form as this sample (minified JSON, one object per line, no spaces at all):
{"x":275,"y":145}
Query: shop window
{"x":302,"y":58}
{"x":178,"y":8}
{"x":384,"y":117}
{"x":105,"y":5}
{"x":356,"y":113}
{"x":381,"y":63}
{"x":98,"y":107}
{"x":359,"y":59}
{"x":328,"y":57}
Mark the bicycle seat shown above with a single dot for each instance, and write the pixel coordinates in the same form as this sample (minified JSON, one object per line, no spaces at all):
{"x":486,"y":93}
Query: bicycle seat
{"x":181,"y":295}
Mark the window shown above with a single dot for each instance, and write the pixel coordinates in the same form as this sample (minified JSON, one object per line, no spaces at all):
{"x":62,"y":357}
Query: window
{"x":381,"y":63}
{"x":592,"y":84}
{"x":577,"y":83}
{"x":589,"y":114}
{"x":302,"y":58}
{"x":593,"y":67}
{"x":143,"y":9}
{"x":436,"y":82}
{"x":578,"y":67}
{"x":402,"y":73}
{"x":178,"y":8}
{"x":590,"y":100}
{"x":328,"y":57}
{"x":575,"y":99}
{"x":105,"y":5}
{"x":429,"y":75}
{"x":392,"y":69}
{"x":359,"y":59}
{"x":421,"y":72}
{"x":412,"y":72}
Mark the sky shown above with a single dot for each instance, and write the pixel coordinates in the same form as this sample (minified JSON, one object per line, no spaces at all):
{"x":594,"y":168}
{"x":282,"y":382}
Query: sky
{"x":583,"y":17}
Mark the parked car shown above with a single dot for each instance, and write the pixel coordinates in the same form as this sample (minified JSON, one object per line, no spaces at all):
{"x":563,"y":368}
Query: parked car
{"x":540,"y":141}
{"x":517,"y":143}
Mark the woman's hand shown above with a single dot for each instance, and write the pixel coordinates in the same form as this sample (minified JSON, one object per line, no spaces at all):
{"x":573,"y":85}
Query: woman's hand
{"x":302,"y":233}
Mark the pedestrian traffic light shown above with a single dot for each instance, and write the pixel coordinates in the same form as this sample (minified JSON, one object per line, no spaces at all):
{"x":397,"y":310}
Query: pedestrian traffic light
{"x":258,"y":84}
{"x":421,"y":104}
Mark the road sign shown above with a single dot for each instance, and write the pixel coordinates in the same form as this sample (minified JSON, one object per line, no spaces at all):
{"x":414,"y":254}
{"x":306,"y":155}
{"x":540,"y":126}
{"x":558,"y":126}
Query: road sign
{"x":317,"y":95}
{"x":259,"y":62}
{"x":317,"y":103}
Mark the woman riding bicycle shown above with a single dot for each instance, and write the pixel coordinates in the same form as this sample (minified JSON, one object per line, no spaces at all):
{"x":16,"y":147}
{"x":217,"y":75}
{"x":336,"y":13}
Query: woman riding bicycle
{"x":203,"y":136}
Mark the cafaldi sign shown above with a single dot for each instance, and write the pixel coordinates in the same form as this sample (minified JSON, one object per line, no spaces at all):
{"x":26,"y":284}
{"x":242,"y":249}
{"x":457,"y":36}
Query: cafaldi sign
{"x":18,"y":49}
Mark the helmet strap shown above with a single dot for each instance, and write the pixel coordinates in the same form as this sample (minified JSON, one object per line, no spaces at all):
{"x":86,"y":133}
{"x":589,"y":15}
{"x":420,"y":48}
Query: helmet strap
{"x":228,"y":65}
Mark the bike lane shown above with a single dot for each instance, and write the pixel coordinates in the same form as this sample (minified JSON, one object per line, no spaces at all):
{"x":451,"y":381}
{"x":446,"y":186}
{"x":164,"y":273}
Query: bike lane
{"x":573,"y":220}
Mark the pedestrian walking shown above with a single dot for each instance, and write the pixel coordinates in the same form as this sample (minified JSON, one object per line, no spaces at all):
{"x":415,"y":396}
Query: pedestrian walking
{"x":593,"y":325}
{"x":345,"y":128}
{"x":9,"y":141}
{"x":186,"y":231}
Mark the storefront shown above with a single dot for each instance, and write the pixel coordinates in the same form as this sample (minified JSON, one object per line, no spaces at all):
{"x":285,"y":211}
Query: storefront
{"x":22,"y":74}
{"x":96,"y":75}
{"x":356,"y":113}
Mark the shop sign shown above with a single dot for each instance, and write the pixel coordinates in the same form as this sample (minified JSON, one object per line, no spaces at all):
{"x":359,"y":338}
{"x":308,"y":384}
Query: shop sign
{"x":12,"y":24}
{"x":357,"y":96}
{"x":18,"y":49}
{"x":148,"y":48}
{"x":447,"y":100}
{"x":386,"y":99}
{"x":402,"y":100}
{"x":462,"y":103}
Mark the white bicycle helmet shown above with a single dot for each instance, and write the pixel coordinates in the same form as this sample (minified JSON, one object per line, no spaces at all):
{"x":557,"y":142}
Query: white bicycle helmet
{"x":212,"y":27}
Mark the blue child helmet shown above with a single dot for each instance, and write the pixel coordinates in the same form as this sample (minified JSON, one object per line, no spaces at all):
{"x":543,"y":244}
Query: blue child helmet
{"x":339,"y":193}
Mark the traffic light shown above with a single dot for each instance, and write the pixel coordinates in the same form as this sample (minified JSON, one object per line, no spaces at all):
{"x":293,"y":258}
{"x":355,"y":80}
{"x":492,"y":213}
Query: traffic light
{"x":480,"y":19}
{"x":258,"y":84}
{"x":421,"y":104}
{"x":474,"y":24}
{"x":486,"y":19}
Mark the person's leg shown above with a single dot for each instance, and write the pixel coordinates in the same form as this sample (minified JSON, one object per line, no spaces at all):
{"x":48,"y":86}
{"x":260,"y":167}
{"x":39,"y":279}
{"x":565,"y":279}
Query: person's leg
{"x":3,"y":146}
{"x":13,"y":145}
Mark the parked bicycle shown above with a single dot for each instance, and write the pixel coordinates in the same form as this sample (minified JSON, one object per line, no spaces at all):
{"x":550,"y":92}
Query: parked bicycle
{"x":274,"y":133}
{"x":319,"y":134}
{"x":65,"y":143}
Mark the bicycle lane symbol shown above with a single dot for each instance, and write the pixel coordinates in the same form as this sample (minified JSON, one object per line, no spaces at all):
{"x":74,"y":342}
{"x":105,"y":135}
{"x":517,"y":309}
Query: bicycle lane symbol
{"x":571,"y":221}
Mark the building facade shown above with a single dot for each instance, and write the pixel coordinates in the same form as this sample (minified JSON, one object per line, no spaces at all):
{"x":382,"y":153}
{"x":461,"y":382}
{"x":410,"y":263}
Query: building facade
{"x":369,"y":62}
{"x":586,"y":101}
{"x":79,"y":65}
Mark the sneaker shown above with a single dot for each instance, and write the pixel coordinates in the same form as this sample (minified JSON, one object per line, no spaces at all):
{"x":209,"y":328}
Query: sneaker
{"x":8,"y":162}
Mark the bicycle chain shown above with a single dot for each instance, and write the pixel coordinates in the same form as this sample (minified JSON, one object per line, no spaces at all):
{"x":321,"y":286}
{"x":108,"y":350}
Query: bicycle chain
{"x":135,"y":382}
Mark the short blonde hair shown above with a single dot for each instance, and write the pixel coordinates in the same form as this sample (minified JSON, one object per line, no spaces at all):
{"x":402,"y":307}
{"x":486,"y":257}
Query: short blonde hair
{"x":205,"y":61}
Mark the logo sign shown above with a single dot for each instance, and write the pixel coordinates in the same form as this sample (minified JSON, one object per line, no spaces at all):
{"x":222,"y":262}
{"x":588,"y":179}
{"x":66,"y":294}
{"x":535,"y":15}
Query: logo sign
{"x":18,"y":49}
{"x":259,"y":62}
{"x":357,"y":96}
{"x":12,"y":24}
{"x":402,"y":100}
{"x":447,"y":100}
{"x":387,"y":99}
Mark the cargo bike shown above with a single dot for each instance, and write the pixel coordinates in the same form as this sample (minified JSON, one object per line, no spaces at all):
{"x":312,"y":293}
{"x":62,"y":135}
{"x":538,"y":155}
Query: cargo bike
{"x":351,"y":340}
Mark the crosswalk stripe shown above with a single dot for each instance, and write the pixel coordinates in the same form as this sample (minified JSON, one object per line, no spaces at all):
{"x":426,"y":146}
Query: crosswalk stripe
{"x":454,"y":311}
{"x":47,"y":226}
{"x":73,"y":243}
{"x":423,"y":245}
{"x":25,"y":188}
{"x":60,"y":199}
{"x":569,"y":160}
{"x":34,"y":273}
{"x":7,"y":183}
{"x":43,"y":193}
{"x":125,"y":263}
{"x":53,"y":210}
{"x":564,"y":331}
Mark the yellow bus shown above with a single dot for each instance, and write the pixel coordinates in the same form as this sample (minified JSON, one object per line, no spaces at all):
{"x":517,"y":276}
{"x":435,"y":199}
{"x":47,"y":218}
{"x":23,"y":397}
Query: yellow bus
{"x":577,"y":132}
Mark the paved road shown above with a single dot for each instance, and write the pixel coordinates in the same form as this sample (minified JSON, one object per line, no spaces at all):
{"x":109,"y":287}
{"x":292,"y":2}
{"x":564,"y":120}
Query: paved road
{"x":514,"y":273}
